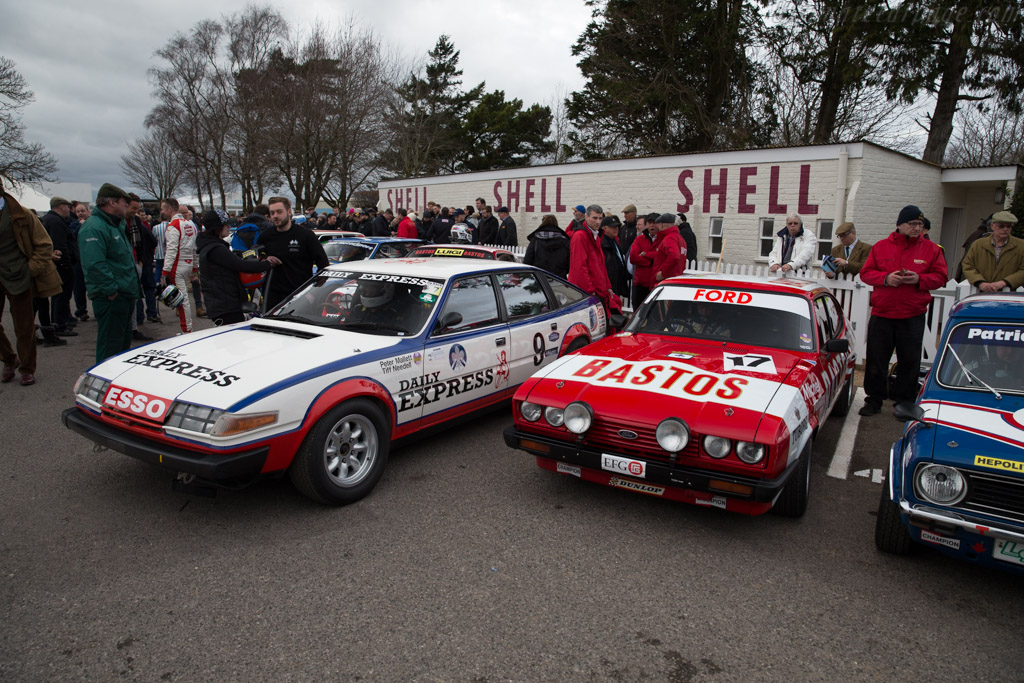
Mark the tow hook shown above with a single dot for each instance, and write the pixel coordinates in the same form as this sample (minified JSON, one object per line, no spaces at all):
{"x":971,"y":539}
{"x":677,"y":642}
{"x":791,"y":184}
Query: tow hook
{"x":99,"y":448}
{"x":185,"y":483}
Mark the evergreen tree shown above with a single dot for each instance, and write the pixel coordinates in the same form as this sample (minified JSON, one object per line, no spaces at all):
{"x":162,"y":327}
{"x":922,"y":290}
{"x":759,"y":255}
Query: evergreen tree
{"x":498,"y":133}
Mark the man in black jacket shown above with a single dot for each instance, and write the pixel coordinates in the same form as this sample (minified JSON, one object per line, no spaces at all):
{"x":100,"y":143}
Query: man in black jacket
{"x":507,"y":235}
{"x":686,"y":232}
{"x":614,"y":259}
{"x":381,"y":226}
{"x":627,"y":233}
{"x":487,"y":231}
{"x":65,"y":252}
{"x":295,"y":246}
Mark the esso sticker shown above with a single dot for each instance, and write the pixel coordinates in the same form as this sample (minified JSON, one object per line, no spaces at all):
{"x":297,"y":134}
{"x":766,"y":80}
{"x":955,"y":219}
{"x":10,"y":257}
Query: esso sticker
{"x":613,"y":463}
{"x":137,"y":402}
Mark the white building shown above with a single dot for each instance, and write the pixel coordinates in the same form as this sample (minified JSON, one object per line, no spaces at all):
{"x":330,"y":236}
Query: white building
{"x":736,"y":201}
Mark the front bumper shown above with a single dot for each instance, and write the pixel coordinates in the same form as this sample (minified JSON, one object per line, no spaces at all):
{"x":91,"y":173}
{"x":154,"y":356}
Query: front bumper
{"x":236,"y":467}
{"x":763,"y":491}
{"x":935,"y":519}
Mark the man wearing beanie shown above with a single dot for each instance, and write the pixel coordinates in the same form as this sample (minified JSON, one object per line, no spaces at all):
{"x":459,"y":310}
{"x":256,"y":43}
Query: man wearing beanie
{"x":111,"y":280}
{"x":902,"y":269}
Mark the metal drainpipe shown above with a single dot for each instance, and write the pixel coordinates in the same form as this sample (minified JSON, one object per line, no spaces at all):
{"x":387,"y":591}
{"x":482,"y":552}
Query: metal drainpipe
{"x":840,"y":213}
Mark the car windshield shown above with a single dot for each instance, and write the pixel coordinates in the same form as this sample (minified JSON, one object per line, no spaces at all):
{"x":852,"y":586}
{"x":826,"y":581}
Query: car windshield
{"x":991,"y":355}
{"x":752,"y":318}
{"x":393,"y":305}
{"x":343,"y":252}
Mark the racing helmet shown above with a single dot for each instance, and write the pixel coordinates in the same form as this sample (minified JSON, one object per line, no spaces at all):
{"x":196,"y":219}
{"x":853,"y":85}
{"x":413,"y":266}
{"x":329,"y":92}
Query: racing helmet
{"x":252,"y":280}
{"x":374,"y":293}
{"x":171,"y":296}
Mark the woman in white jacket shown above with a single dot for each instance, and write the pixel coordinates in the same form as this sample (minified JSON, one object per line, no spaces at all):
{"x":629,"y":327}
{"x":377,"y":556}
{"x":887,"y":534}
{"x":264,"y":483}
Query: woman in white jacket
{"x":794,"y":247}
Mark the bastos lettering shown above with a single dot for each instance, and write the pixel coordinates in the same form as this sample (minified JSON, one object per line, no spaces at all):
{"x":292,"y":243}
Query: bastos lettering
{"x":668,"y":377}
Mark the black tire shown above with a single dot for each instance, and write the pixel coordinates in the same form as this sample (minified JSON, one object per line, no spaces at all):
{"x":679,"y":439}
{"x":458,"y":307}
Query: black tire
{"x":792,"y":502}
{"x":890,"y":534}
{"x":845,"y":400}
{"x":576,"y":344}
{"x":344,"y":455}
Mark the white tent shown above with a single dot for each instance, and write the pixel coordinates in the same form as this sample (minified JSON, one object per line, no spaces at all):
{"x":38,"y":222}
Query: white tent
{"x":31,"y":198}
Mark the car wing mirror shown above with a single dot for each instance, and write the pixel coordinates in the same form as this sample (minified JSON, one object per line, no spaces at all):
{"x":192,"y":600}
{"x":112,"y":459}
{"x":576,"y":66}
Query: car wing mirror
{"x":449,"y":320}
{"x":837,"y":345}
{"x":909,"y":412}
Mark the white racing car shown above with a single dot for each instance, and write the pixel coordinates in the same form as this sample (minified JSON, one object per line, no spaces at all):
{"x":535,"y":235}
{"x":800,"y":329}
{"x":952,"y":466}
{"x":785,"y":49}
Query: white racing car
{"x":363,"y":354}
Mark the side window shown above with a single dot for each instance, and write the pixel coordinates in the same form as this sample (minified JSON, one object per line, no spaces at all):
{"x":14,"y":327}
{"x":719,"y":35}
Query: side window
{"x":565,"y":294}
{"x":767,"y":238}
{"x":821,"y":317}
{"x":506,"y":257}
{"x":835,"y":317}
{"x":524,"y":294}
{"x":473,"y":299}
{"x":716,"y":234}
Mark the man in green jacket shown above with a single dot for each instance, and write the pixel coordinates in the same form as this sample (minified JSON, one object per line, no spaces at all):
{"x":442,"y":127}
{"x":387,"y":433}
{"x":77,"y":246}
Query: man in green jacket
{"x":998,"y":262}
{"x":111,"y":280}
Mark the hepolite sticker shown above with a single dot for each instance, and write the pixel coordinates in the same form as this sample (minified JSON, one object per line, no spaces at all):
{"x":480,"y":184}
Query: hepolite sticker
{"x":999,"y":463}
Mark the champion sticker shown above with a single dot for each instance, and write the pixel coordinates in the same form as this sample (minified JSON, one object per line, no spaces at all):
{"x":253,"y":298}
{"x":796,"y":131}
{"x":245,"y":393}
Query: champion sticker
{"x":570,"y":469}
{"x":715,"y":502}
{"x":929,"y":537}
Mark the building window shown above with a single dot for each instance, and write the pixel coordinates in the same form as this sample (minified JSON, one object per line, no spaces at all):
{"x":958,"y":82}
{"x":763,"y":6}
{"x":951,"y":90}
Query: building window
{"x":767,"y":236}
{"x":824,"y":238}
{"x":715,"y":236}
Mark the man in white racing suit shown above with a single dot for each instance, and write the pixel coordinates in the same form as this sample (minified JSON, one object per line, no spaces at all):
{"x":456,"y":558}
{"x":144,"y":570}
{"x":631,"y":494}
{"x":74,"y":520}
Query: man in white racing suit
{"x":179,"y":257}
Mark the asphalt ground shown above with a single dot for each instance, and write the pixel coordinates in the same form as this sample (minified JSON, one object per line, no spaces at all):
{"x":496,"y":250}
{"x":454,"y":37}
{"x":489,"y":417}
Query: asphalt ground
{"x":467,"y":562}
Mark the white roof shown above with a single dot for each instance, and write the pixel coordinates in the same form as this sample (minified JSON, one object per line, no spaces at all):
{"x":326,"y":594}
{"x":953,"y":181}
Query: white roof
{"x":439,"y":268}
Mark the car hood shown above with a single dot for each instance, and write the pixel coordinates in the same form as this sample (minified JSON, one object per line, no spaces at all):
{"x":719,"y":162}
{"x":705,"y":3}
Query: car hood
{"x":223,"y":366}
{"x":978,"y":437}
{"x":719,"y":388}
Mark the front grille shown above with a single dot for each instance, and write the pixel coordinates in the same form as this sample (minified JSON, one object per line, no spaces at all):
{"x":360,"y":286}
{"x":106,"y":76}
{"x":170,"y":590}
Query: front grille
{"x":645,"y":446}
{"x":993,"y":494}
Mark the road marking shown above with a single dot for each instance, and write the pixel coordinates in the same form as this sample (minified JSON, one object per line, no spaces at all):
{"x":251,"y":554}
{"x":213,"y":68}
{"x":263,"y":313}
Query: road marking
{"x":876,"y":475}
{"x":840,"y":465}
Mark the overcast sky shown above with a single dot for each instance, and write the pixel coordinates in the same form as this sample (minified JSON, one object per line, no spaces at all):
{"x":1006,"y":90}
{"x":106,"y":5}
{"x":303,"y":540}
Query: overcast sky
{"x":86,"y":60}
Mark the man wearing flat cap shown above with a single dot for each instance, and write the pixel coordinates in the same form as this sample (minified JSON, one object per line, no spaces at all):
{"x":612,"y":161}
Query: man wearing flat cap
{"x":111,"y":281}
{"x":851,"y":253}
{"x":670,"y":250}
{"x":65,"y":257}
{"x":997,"y":262}
{"x":628,"y":231}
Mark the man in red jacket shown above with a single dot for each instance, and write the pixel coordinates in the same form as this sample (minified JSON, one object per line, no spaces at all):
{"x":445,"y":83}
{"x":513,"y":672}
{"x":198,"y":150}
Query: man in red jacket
{"x":902,"y":269}
{"x":641,"y":255}
{"x":670,"y":256}
{"x":586,"y":261}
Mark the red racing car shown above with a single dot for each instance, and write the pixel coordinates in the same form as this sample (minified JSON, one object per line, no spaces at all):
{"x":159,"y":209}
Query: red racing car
{"x":711,"y":395}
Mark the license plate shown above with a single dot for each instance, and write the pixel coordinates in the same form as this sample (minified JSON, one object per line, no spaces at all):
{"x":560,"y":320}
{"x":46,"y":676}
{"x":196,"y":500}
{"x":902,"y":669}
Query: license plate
{"x":1008,"y":551}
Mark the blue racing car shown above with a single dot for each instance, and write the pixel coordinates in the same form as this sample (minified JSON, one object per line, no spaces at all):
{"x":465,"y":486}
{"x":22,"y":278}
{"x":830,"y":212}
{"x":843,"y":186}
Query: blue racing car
{"x":956,"y":477}
{"x":346,"y":249}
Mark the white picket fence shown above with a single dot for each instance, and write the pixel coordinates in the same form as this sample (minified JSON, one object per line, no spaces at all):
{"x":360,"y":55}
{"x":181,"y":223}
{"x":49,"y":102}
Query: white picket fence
{"x":854,"y":295}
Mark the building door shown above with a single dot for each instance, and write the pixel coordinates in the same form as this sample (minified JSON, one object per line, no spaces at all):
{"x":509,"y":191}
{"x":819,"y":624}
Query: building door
{"x":952,"y":237}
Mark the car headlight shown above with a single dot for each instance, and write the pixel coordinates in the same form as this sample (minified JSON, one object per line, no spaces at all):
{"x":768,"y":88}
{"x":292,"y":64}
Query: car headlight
{"x":717,"y":446}
{"x":91,"y":387}
{"x":750,"y":453}
{"x":672,"y":434}
{"x":554,"y":416}
{"x":192,"y":417}
{"x":531,"y":411}
{"x":940,"y":484}
{"x":578,"y":417}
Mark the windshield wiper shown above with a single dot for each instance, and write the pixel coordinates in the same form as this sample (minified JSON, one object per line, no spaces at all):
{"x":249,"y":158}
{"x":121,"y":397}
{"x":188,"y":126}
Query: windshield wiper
{"x":368,"y":325}
{"x":971,"y":376}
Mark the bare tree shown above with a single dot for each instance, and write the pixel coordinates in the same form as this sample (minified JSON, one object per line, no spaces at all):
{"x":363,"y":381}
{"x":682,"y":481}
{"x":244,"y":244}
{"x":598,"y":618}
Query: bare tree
{"x":154,"y":164}
{"x":561,"y":126}
{"x":20,"y":161}
{"x":988,"y":136}
{"x":254,"y":35}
